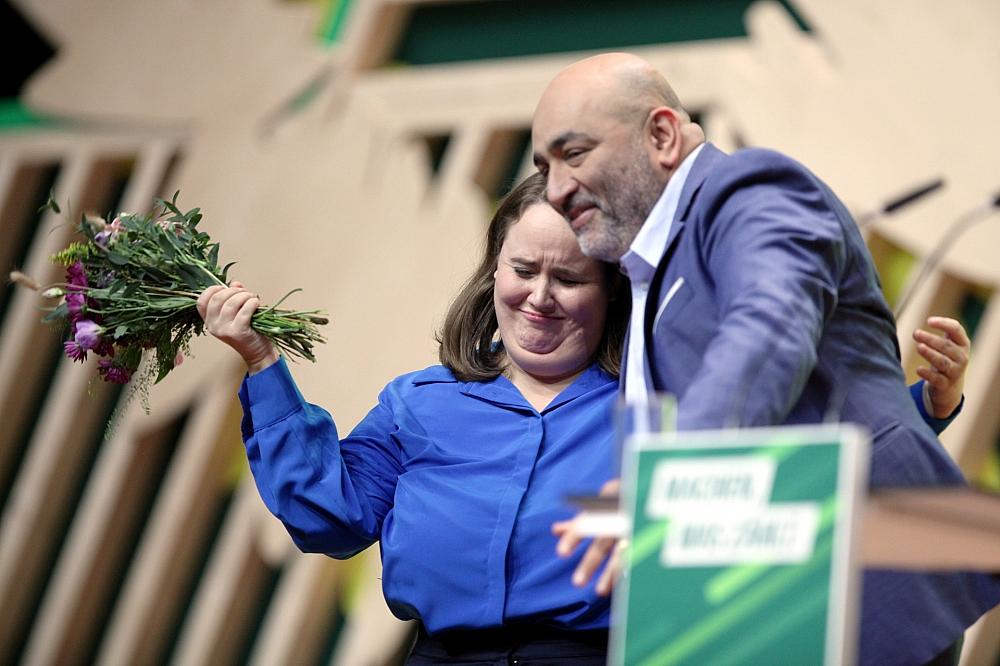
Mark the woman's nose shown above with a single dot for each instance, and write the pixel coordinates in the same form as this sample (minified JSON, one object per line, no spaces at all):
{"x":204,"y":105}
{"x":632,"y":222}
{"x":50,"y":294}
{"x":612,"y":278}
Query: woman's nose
{"x":540,"y":296}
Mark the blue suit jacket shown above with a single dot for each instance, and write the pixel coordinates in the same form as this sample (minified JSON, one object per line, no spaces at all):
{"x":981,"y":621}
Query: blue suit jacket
{"x":766,"y":309}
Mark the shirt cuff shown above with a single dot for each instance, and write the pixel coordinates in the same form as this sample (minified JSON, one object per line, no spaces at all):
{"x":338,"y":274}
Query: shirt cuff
{"x":270,"y":395}
{"x":936,"y":424}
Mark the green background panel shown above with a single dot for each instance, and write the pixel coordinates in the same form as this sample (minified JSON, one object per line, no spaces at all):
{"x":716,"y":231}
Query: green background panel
{"x":461,"y":31}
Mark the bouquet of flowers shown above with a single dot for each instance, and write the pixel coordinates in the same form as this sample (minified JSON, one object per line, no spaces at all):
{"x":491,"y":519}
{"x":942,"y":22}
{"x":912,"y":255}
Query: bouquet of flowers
{"x":132,"y":286}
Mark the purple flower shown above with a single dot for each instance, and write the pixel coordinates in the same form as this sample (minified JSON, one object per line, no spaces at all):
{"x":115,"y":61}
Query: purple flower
{"x":75,"y":304}
{"x":102,"y":237}
{"x":75,"y":351}
{"x":76,"y":284}
{"x":87,"y":334}
{"x":76,"y":275}
{"x":112,"y":372}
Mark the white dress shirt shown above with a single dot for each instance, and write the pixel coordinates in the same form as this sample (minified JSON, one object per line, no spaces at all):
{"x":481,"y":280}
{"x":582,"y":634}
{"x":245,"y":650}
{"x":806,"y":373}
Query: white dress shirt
{"x":639,"y":264}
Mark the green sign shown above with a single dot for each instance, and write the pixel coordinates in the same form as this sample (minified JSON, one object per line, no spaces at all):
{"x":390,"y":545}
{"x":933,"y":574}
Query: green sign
{"x":741,"y":547}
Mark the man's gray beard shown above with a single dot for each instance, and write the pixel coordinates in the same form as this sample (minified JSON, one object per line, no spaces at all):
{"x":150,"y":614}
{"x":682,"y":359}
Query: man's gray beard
{"x":631,"y":199}
{"x":609,"y":245}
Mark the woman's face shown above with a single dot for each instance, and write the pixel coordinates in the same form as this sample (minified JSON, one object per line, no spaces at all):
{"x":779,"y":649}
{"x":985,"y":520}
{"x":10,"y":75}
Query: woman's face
{"x":550,"y":299}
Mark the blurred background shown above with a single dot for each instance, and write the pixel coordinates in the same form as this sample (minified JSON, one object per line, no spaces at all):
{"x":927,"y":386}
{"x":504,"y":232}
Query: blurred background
{"x":356,"y":148}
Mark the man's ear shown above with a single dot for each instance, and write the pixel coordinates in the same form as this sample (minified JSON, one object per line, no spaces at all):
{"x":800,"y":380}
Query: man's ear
{"x":665,"y":135}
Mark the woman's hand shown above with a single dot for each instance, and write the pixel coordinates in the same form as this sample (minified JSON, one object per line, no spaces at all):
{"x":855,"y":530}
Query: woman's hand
{"x":227,"y":312}
{"x":600,"y":549}
{"x":948,"y":356}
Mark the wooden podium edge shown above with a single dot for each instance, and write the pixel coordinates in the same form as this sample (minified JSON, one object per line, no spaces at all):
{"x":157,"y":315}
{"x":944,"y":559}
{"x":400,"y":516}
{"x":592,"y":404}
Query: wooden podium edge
{"x":923,"y":528}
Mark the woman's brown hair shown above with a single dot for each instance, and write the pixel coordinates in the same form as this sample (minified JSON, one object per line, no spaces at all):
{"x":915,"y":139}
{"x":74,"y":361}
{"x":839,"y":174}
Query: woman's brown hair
{"x":467,"y":344}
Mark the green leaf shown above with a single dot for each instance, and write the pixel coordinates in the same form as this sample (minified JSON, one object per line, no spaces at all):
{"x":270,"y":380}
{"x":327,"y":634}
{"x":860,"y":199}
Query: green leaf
{"x":225,"y":271}
{"x":163,"y":240}
{"x":116,"y":258}
{"x":60,"y":312}
{"x":172,"y":303}
{"x":165,"y":354}
{"x":172,"y":206}
{"x":130,"y":357}
{"x":191,"y":278}
{"x":120,"y":330}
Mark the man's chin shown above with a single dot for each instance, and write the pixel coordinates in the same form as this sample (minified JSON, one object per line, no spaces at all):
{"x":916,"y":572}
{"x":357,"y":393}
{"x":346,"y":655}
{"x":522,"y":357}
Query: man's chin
{"x":599,"y":248}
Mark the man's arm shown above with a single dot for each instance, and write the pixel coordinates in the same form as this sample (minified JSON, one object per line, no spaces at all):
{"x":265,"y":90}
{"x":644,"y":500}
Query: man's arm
{"x":776,"y":252}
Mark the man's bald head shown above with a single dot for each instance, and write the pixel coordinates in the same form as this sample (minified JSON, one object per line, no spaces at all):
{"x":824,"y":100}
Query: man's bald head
{"x":621,"y":84}
{"x":608,"y":133}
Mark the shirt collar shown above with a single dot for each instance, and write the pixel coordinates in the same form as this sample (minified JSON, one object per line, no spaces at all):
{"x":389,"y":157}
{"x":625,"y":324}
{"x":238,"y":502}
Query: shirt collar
{"x":502,"y":392}
{"x":650,"y":242}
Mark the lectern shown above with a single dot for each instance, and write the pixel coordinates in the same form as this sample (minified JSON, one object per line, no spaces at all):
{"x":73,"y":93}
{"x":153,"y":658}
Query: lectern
{"x":727,"y":527}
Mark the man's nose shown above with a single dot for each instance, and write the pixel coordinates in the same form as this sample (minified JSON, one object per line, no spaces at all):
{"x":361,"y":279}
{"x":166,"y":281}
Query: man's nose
{"x":559,"y":185}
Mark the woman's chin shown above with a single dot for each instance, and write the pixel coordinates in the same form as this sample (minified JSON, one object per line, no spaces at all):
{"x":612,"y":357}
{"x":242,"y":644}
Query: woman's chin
{"x":548,"y":364}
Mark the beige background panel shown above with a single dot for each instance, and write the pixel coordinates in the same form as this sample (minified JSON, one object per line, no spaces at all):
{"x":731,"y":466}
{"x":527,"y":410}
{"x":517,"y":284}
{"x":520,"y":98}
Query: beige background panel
{"x":338,"y":197}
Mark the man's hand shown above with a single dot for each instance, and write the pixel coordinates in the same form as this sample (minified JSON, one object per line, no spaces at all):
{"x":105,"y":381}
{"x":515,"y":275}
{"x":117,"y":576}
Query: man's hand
{"x":948,"y":356}
{"x":601,"y":549}
{"x":227,"y":312}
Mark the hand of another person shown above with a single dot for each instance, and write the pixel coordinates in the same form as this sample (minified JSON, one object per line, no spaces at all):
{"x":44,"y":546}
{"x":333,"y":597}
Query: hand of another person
{"x":601,"y":549}
{"x":948,"y":356}
{"x":227,"y":312}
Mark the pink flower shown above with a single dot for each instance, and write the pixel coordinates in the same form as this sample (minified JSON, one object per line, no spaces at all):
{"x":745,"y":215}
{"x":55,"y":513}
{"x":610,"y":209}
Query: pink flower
{"x":87,"y":334}
{"x":75,"y":351}
{"x":112,"y":372}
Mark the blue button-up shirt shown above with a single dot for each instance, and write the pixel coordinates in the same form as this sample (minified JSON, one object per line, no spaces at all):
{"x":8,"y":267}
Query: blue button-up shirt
{"x":460,"y":481}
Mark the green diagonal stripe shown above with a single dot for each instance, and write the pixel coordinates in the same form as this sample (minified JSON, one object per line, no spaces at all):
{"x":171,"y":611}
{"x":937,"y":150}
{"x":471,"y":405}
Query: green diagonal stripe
{"x":333,"y":20}
{"x":647,"y":542}
{"x":739,"y":609}
{"x":810,"y":604}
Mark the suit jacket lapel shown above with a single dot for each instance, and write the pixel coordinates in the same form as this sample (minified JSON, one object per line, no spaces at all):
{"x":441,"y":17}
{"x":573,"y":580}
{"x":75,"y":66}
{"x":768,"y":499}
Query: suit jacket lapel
{"x":707,"y":159}
{"x":702,"y":166}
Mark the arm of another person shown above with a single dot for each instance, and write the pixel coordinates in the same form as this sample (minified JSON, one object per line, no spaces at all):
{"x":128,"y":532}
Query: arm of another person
{"x":331,"y":496}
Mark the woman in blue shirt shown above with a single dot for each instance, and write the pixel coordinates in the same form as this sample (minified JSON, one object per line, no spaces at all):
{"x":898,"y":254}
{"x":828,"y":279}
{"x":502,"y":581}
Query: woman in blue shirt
{"x":460,"y":470}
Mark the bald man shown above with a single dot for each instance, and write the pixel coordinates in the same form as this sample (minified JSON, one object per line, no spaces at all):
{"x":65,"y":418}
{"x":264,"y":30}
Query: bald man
{"x":755,"y":302}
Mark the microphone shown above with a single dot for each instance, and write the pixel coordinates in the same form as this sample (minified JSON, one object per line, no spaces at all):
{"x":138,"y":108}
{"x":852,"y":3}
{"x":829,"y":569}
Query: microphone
{"x":964,"y":222}
{"x":901,"y":201}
